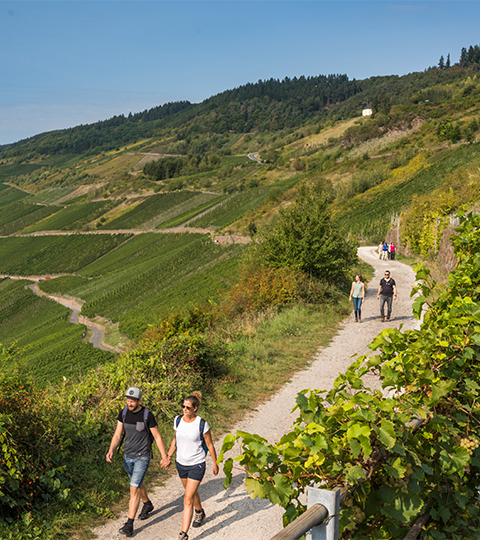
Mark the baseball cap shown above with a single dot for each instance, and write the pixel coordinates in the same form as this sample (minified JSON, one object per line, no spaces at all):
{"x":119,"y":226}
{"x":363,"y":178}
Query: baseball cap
{"x":134,"y":393}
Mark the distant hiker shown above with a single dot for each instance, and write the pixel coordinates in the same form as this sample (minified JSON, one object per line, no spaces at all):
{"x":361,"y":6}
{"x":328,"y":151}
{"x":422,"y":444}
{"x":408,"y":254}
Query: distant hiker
{"x":192,"y":440}
{"x":141,"y":430}
{"x":387,"y":291}
{"x":393,"y":249}
{"x":357,"y":292}
{"x":380,"y":250}
{"x":385,"y":251}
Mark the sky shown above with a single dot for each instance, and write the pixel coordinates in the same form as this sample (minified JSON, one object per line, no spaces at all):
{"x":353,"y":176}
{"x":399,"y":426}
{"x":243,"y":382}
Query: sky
{"x":71,"y":62}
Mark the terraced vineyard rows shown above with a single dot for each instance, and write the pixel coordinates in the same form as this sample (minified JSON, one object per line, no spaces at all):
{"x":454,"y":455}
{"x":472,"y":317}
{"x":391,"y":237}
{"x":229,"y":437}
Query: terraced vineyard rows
{"x":17,"y":216}
{"x":72,"y":217}
{"x":370,"y":213}
{"x":232,"y":209}
{"x":40,"y":255}
{"x":152,"y":207}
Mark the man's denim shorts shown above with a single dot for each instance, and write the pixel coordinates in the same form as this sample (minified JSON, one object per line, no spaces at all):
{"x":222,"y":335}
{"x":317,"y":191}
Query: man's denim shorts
{"x":194,"y":472}
{"x":136,"y":469}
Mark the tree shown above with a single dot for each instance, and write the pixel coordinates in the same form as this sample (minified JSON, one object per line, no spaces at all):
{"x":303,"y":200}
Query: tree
{"x":447,"y":63}
{"x":305,"y":239}
{"x":441,"y":63}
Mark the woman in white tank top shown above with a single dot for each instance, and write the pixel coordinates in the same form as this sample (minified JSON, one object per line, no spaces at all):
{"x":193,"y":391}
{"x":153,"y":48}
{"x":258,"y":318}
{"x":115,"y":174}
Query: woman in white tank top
{"x":191,"y":432}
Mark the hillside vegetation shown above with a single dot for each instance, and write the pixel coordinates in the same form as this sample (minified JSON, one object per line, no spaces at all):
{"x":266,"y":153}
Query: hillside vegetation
{"x":204,"y":231}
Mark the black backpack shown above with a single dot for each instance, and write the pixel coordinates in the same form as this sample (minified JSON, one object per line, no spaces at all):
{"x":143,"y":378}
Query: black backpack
{"x":201,"y":428}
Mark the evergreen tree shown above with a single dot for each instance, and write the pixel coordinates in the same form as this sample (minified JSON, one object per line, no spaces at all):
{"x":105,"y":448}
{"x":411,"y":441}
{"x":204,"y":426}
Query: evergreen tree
{"x":447,"y":64}
{"x":463,"y":58}
{"x":441,"y":63}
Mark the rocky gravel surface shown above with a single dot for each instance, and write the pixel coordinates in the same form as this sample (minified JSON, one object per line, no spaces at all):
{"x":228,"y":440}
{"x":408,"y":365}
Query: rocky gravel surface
{"x":231,"y":514}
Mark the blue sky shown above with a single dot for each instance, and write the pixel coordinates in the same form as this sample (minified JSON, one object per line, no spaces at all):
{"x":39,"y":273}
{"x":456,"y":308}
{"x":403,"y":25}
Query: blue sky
{"x":75,"y":62}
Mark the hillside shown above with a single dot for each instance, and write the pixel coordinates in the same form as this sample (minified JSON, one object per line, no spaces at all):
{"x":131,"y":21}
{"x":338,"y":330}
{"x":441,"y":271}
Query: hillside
{"x":216,"y":242}
{"x":134,"y":216}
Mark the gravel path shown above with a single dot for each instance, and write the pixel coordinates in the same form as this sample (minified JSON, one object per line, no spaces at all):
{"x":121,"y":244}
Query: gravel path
{"x":231,"y":514}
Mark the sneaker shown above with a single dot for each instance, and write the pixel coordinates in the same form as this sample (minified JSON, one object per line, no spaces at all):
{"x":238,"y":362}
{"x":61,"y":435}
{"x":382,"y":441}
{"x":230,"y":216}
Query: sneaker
{"x":127,"y":530}
{"x":147,"y":508}
{"x":388,"y":318}
{"x":183,"y":536}
{"x":198,"y":519}
{"x":383,"y":318}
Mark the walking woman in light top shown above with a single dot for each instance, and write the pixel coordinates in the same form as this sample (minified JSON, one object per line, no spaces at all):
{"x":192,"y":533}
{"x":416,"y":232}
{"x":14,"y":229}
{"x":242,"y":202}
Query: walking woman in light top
{"x":190,"y":461}
{"x":357,"y":292}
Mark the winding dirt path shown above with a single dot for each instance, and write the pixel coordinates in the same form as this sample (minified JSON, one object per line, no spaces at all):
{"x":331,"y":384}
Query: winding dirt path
{"x":96,"y":329}
{"x":231,"y":514}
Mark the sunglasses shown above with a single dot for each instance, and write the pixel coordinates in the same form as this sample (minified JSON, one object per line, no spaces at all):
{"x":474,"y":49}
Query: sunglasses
{"x":187,"y":407}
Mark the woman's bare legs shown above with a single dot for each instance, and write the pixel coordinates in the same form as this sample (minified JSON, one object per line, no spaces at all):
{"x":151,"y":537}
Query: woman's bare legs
{"x":190,"y":501}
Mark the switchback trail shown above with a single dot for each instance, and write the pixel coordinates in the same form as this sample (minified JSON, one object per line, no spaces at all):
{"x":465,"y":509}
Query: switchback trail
{"x":231,"y":514}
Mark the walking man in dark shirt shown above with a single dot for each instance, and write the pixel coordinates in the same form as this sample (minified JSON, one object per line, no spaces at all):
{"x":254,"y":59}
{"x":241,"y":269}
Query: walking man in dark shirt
{"x":387,"y":292}
{"x":140,"y":428}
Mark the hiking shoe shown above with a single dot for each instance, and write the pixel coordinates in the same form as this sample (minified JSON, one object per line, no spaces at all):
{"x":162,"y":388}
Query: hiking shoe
{"x":147,"y":508}
{"x":183,"y":536}
{"x":388,"y":318}
{"x":383,"y":318}
{"x":127,"y":530}
{"x":198,"y":519}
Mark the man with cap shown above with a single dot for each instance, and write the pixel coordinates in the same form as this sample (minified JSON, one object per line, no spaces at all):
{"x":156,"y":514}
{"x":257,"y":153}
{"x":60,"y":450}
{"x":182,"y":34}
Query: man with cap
{"x":138,"y":424}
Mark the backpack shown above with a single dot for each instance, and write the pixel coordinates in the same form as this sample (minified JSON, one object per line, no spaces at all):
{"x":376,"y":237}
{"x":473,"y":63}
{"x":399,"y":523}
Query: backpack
{"x":145,"y":418}
{"x":200,"y":428}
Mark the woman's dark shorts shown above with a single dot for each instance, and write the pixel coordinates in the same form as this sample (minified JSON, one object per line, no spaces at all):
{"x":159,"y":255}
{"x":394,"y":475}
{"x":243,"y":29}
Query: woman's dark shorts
{"x":194,"y":472}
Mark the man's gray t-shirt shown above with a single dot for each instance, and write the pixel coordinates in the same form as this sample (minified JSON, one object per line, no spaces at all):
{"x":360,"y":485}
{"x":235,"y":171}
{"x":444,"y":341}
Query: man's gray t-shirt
{"x":137,"y":438}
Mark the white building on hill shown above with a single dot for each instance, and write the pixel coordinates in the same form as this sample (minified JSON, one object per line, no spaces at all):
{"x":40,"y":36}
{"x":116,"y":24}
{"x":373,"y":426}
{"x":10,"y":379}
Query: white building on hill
{"x":367,"y":111}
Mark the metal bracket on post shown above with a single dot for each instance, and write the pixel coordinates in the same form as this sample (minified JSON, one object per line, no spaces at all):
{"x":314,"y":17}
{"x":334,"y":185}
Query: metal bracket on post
{"x":331,"y":500}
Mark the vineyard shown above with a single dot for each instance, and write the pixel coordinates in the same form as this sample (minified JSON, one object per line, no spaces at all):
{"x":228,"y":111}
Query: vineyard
{"x":155,"y":285}
{"x":189,"y":210}
{"x":151,"y":208}
{"x":49,"y":346}
{"x":232,"y":209}
{"x":18,"y":216}
{"x":30,"y":255}
{"x":73,"y":217}
{"x":369,"y":214}
{"x":148,"y":276}
{"x":10,"y":195}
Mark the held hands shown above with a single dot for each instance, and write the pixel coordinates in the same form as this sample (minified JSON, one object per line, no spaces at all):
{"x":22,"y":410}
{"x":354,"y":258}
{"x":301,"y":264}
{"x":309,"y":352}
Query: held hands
{"x":166,"y":461}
